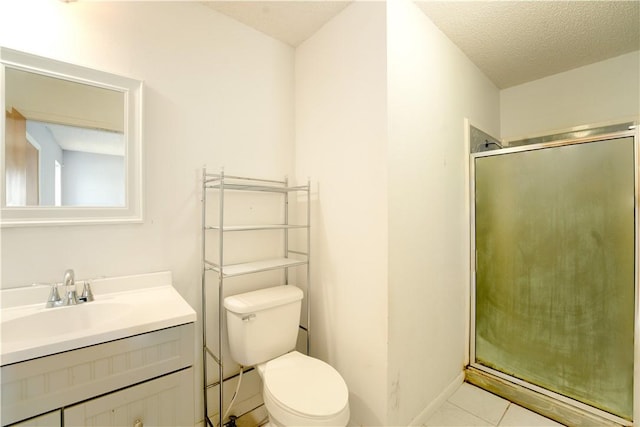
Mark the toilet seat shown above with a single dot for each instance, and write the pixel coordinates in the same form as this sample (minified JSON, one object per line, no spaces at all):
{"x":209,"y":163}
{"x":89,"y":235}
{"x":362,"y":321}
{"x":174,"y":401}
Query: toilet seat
{"x":301,"y":390}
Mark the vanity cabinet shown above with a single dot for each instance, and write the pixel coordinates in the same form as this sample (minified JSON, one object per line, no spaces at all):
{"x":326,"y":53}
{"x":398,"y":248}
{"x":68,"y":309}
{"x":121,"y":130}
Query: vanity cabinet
{"x":146,"y":377}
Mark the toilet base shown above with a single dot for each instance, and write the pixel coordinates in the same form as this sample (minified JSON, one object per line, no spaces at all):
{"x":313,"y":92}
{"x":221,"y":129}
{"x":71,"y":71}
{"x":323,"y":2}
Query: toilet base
{"x":280,"y":417}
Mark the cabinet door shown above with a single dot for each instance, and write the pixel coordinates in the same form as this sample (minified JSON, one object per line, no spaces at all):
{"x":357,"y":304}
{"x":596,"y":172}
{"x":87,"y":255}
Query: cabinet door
{"x":51,"y":419}
{"x":165,"y":401}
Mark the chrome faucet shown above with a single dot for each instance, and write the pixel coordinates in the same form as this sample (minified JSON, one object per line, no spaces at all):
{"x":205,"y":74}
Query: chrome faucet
{"x":69,"y":288}
{"x":70,"y":295}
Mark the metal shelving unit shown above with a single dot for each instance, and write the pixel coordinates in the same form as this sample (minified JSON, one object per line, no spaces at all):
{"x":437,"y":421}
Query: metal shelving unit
{"x":219,"y":184}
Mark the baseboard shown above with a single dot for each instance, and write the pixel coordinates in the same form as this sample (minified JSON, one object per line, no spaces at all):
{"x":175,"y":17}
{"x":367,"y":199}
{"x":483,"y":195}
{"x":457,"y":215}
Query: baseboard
{"x":422,"y":418}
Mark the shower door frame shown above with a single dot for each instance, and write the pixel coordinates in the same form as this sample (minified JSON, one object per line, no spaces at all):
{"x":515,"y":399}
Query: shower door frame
{"x":635,"y":134}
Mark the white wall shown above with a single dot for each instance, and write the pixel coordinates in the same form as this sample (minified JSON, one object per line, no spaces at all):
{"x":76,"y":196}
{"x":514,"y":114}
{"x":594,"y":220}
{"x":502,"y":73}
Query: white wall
{"x":432,"y":87}
{"x":216,"y":93}
{"x":598,"y":93}
{"x":90,"y":179}
{"x":341,"y":137}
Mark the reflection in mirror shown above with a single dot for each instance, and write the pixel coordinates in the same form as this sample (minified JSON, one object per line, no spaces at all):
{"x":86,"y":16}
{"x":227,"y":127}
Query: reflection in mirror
{"x":63,"y":139}
{"x":71,"y":143}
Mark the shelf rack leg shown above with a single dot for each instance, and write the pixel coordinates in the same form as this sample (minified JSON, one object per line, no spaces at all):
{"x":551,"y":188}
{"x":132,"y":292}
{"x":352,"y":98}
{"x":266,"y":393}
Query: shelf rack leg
{"x":286,"y":230}
{"x":221,"y":297}
{"x":204,"y":301}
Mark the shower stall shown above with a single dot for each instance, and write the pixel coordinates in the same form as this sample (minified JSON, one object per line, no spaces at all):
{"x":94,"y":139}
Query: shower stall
{"x":554,"y":261}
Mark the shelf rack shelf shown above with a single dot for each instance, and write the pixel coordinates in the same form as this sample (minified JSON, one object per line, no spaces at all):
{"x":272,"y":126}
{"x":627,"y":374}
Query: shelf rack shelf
{"x":219,"y":184}
{"x":234,"y":270}
{"x":254,"y":227}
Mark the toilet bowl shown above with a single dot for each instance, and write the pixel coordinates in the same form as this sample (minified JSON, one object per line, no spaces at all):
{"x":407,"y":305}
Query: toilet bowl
{"x":299,"y":390}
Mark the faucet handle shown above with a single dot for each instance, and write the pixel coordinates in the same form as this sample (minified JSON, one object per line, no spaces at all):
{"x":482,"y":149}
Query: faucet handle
{"x":87,"y":295}
{"x":54,"y":297}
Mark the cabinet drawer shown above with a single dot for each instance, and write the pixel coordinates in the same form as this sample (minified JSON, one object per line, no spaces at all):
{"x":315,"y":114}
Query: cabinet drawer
{"x":40,"y":385}
{"x":165,"y":401}
{"x":52,"y":419}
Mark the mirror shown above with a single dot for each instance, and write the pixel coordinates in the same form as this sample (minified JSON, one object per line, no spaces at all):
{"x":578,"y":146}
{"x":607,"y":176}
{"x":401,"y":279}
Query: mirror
{"x":71,"y":143}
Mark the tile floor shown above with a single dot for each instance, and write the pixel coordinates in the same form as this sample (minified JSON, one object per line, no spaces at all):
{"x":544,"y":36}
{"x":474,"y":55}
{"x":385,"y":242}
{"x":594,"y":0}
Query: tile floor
{"x":472,"y":406}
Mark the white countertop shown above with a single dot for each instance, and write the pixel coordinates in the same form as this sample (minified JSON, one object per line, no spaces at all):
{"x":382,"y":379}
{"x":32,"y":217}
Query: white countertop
{"x":123,"y":307}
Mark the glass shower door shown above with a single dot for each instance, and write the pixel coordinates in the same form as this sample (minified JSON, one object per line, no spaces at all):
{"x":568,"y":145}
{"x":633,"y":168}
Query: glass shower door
{"x":555,"y":269}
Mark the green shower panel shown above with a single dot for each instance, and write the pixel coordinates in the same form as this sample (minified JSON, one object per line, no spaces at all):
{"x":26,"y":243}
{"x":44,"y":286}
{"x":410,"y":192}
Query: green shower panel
{"x":555,"y":269}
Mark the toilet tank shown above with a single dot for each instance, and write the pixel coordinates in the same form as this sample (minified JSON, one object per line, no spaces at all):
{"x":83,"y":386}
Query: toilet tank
{"x":263,"y":324}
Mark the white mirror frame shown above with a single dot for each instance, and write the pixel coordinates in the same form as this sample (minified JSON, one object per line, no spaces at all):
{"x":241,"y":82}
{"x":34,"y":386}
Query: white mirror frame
{"x":132,"y":212}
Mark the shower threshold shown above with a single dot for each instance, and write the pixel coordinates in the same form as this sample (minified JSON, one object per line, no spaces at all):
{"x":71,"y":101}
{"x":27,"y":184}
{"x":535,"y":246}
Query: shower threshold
{"x":540,"y":403}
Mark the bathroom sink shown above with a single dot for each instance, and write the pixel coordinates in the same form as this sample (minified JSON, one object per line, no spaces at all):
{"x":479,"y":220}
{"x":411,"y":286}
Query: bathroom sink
{"x":46,"y":323}
{"x":123,"y":307}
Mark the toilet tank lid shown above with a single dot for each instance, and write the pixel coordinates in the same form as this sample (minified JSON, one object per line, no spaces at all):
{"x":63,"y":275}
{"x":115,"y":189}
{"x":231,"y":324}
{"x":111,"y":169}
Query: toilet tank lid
{"x":250,"y":302}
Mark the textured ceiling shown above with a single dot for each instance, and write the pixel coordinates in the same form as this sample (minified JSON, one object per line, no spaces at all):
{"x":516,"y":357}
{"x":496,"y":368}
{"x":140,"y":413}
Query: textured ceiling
{"x":512,"y":42}
{"x":290,"y":21}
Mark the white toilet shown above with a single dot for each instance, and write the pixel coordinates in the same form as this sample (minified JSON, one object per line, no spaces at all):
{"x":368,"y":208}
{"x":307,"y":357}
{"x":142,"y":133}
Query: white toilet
{"x":298,"y":390}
